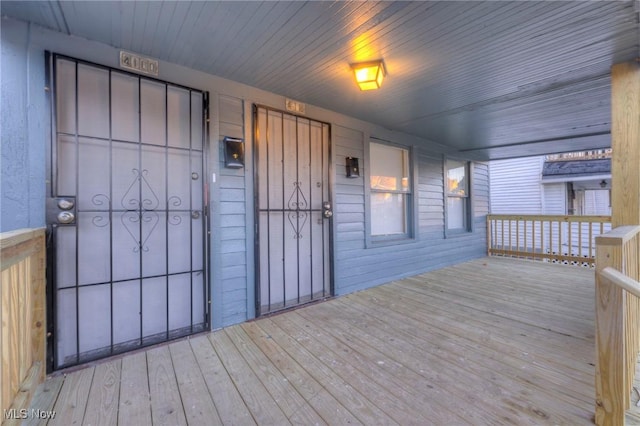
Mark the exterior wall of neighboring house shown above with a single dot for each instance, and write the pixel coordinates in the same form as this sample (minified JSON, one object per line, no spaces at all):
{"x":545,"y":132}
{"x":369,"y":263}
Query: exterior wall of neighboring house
{"x":519,"y":187}
{"x":515,"y":186}
{"x":357,"y":265}
{"x":554,"y":198}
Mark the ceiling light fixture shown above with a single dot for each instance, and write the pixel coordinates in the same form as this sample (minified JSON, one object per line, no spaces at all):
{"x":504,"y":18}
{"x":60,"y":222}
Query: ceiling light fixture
{"x":369,"y":75}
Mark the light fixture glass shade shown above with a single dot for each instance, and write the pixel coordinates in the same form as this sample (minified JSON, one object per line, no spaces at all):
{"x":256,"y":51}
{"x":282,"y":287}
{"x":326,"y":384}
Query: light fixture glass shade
{"x":369,"y":75}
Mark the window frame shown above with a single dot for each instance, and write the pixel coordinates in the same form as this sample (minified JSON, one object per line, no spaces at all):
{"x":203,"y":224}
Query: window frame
{"x":410,"y":196}
{"x":468,"y":204}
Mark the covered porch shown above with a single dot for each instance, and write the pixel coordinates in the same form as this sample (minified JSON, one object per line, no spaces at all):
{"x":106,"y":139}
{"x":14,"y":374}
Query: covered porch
{"x":490,"y":341}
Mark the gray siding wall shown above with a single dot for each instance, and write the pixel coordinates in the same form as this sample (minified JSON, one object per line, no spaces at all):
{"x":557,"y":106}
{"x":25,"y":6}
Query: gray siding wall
{"x":230,"y":236}
{"x":232,"y":280}
{"x":516,"y":186}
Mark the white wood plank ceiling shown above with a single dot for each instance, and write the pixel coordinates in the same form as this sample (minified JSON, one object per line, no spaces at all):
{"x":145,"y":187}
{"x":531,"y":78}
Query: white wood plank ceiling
{"x":494,"y":79}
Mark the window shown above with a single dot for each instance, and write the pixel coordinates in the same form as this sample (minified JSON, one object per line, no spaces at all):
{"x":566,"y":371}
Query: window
{"x":390,"y":191}
{"x":457,"y":195}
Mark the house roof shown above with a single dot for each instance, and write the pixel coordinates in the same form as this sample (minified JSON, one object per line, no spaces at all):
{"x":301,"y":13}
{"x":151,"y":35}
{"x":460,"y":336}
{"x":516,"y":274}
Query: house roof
{"x":577,"y":168}
{"x":490,"y":79}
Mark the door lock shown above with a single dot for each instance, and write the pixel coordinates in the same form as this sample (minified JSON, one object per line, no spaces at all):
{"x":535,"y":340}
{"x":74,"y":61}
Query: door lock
{"x":61,"y":211}
{"x":326,"y":210}
{"x":66,"y":217}
{"x":65,"y":204}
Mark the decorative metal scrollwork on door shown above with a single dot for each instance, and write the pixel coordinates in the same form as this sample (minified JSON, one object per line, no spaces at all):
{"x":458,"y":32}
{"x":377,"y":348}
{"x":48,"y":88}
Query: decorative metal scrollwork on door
{"x":297,"y":218}
{"x":134,"y":202}
{"x":130,"y":220}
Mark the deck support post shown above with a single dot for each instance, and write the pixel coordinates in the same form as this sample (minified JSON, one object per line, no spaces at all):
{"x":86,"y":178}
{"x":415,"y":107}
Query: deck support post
{"x":611,"y":306}
{"x":625,"y":142}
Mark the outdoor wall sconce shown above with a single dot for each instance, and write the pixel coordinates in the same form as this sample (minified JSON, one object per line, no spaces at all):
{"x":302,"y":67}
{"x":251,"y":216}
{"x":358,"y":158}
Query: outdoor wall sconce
{"x":369,"y":75}
{"x":603,"y":184}
{"x":353,"y":171}
{"x":233,"y":153}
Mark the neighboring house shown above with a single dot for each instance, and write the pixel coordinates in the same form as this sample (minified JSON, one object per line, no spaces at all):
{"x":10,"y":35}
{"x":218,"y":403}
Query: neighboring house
{"x":559,"y":184}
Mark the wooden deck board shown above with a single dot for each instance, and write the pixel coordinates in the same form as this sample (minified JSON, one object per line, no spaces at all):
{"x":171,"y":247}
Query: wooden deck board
{"x":328,"y":407}
{"x":365,"y":375}
{"x":492,"y":341}
{"x":102,"y":403}
{"x":226,"y":398}
{"x":357,"y":403}
{"x":283,"y":392}
{"x":166,"y":404}
{"x":492,"y":332}
{"x":416,"y":357}
{"x":135,"y":401}
{"x":262,"y":405}
{"x":197,"y":402}
{"x":72,"y":400}
{"x":45,"y":399}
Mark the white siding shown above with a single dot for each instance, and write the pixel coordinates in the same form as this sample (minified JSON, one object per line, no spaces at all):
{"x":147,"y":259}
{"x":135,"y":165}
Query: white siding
{"x":515,"y":186}
{"x":555,"y":198}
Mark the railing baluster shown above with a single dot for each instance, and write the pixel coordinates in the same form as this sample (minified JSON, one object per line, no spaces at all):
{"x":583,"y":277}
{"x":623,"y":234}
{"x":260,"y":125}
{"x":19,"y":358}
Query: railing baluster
{"x":517,"y":234}
{"x":510,"y":244}
{"x":551,"y":237}
{"x":591,"y":241}
{"x":570,"y":238}
{"x":579,"y":239}
{"x":525,"y":234}
{"x":533,"y":236}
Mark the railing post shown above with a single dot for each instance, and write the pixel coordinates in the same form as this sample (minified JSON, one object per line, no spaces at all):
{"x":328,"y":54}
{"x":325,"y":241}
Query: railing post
{"x":22,"y":310}
{"x":611,"y":400}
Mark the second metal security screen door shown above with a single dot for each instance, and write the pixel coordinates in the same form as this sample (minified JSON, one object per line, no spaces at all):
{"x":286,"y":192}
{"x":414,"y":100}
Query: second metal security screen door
{"x":293,"y":210}
{"x":127,"y":182}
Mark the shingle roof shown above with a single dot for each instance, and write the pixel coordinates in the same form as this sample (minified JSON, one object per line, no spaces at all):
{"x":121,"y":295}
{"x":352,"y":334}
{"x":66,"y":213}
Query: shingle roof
{"x":580,"y":167}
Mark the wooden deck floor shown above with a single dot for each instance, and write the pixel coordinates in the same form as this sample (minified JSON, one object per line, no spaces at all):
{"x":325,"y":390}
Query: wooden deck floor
{"x":492,"y":341}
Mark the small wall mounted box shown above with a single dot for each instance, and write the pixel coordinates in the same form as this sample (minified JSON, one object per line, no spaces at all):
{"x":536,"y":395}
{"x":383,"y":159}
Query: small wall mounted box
{"x":353,"y":170}
{"x":233,"y":152}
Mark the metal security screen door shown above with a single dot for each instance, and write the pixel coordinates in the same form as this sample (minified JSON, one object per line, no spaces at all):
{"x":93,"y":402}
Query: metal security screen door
{"x":293,"y":210}
{"x":126,"y":212}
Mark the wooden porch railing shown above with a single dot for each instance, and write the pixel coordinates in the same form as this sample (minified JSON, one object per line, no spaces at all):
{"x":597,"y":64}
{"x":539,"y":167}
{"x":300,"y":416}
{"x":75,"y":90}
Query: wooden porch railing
{"x":617,"y":321}
{"x":552,"y":238}
{"x":22,"y":308}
